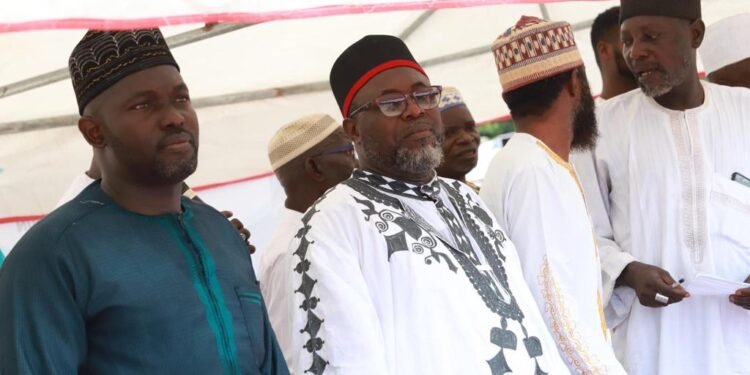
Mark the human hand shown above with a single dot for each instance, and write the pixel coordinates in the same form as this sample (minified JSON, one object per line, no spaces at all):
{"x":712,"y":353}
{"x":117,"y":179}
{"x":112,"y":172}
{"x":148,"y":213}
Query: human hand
{"x":741,"y":297}
{"x":244,"y":232}
{"x":654,"y":286}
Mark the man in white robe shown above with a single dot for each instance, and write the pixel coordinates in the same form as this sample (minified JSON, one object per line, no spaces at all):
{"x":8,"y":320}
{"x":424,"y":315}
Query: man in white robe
{"x":309,"y":156}
{"x":534,"y":192}
{"x":616,"y":79}
{"x":666,"y":155}
{"x":398,"y":271}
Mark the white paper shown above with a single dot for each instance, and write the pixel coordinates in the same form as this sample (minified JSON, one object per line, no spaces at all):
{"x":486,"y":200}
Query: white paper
{"x":708,"y":285}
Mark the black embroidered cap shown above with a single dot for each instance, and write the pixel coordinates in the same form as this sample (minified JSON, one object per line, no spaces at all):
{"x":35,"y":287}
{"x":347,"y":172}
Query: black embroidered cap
{"x":685,"y":9}
{"x":362,"y":61}
{"x":102,"y":58}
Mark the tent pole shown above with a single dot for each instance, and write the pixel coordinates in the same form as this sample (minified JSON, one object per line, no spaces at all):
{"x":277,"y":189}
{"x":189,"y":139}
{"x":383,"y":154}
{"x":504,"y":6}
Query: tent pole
{"x":248,"y":96}
{"x":188,"y":37}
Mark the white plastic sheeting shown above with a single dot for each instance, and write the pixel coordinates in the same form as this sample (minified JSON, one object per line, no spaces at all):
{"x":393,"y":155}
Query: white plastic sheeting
{"x":36,"y":166}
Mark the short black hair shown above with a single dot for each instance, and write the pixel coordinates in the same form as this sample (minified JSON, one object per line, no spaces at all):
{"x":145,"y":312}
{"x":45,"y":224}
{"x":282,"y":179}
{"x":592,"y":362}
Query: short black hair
{"x":602,"y":25}
{"x":536,"y":98}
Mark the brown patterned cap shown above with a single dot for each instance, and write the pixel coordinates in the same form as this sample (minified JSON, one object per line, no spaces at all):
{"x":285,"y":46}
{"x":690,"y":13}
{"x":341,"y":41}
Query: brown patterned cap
{"x":102,"y":58}
{"x":534,"y":49}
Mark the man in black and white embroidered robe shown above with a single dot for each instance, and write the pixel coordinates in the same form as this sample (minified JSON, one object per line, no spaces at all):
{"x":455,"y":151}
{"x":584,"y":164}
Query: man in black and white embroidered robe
{"x":398,"y":271}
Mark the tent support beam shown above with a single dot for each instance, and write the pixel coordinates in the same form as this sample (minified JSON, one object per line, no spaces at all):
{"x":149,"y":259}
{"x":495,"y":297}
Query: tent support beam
{"x":545,"y":12}
{"x":188,"y":37}
{"x":418,"y":22}
{"x":248,"y":96}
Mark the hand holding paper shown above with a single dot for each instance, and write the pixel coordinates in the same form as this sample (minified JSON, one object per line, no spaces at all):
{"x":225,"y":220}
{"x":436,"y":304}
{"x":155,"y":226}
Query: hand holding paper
{"x":708,"y":285}
{"x":742,"y":297}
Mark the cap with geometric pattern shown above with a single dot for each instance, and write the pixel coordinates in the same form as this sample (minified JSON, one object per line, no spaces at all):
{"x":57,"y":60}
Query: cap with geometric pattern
{"x":295,"y":138}
{"x":103,"y":58}
{"x":450,"y":98}
{"x":534,"y":49}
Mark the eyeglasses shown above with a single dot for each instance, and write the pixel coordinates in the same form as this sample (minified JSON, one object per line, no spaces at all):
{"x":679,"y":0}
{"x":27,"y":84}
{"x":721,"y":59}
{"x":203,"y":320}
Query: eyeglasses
{"x":346,"y":149}
{"x":392,"y":105}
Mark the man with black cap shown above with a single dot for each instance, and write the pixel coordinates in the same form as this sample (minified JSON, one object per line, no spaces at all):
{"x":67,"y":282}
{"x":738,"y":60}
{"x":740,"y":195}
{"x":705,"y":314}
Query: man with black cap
{"x":398,"y":271}
{"x":671,"y":156}
{"x":131,"y":277}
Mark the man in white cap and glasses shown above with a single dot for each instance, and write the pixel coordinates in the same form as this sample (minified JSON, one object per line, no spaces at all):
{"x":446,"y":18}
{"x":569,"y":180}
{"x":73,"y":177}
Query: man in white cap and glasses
{"x":309,"y":156}
{"x":726,"y":51}
{"x":461,"y":144}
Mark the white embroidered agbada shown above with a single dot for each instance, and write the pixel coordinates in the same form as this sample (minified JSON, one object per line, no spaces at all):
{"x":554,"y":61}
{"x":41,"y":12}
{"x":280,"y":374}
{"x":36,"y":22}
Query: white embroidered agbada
{"x":386,"y":285}
{"x":536,"y":196}
{"x":275,"y":279}
{"x":673,"y":205}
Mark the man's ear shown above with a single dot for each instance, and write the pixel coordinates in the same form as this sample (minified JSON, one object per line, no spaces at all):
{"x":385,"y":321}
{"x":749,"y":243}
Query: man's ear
{"x":697,"y":32}
{"x":351,"y":128}
{"x":92,"y":131}
{"x":314,"y":170}
{"x":573,"y":86}
{"x":603,"y":50}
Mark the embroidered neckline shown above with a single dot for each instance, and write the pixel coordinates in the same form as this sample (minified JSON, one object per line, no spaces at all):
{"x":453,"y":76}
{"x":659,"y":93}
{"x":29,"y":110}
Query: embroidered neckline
{"x":425,"y":192}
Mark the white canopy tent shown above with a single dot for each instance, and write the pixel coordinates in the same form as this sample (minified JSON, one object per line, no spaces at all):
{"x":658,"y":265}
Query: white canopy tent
{"x":246,"y":81}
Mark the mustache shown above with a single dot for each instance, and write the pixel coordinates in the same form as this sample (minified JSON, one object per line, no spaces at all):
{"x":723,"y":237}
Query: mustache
{"x":419,"y":125}
{"x":178,"y":134}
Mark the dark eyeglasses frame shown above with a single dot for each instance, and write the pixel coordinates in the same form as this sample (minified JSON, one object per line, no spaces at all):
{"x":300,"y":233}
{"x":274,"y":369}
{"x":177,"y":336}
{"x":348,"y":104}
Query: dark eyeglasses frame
{"x":337,"y":150}
{"x":405,"y":98}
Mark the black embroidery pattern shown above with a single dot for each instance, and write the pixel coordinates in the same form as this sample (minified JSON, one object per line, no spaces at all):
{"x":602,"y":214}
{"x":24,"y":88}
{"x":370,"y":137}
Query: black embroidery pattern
{"x":492,"y":285}
{"x":499,"y":300}
{"x":418,"y":241}
{"x":314,"y":344}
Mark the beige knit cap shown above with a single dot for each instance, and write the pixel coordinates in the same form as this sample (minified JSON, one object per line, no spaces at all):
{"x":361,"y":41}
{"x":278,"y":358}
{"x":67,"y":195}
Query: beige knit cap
{"x":295,"y":138}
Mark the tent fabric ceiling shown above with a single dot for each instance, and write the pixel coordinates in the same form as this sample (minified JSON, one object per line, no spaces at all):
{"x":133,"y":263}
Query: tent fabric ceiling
{"x":36,"y":166}
{"x":46,"y":14}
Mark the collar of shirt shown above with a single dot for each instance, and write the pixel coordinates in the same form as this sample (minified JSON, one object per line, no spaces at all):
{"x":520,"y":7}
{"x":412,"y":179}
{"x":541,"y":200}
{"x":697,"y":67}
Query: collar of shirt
{"x":428,"y":191}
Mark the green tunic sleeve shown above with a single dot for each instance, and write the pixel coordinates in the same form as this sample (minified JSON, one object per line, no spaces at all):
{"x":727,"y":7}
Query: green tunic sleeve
{"x":42,"y":329}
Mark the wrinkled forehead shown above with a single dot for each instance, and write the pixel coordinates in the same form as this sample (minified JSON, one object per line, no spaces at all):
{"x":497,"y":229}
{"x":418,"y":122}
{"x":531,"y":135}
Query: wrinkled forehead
{"x":401,"y":80}
{"x":639,"y":24}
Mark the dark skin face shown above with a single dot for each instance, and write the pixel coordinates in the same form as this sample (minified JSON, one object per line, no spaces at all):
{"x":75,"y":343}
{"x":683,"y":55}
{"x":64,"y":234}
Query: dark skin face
{"x":413,"y":131}
{"x":734,"y":75}
{"x":145,"y":137}
{"x":331,"y":168}
{"x":310,"y":175}
{"x":660,"y":51}
{"x":461,"y":142}
{"x":617,"y":76}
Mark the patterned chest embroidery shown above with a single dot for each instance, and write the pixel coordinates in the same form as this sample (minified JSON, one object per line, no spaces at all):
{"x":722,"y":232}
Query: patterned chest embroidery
{"x":490,"y":280}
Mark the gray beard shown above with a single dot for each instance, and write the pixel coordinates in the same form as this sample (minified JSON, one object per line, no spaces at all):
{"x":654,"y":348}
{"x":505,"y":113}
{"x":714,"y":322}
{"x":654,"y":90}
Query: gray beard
{"x":669,"y":82}
{"x":419,"y":161}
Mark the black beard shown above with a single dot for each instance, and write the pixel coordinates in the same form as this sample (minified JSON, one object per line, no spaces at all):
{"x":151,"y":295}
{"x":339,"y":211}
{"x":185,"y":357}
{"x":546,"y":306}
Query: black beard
{"x":585,"y":131}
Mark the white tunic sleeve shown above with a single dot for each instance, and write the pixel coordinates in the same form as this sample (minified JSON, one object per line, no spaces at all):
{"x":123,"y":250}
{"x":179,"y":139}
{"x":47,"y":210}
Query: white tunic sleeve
{"x":538,"y":225}
{"x":613,"y":258}
{"x":336,"y":329}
